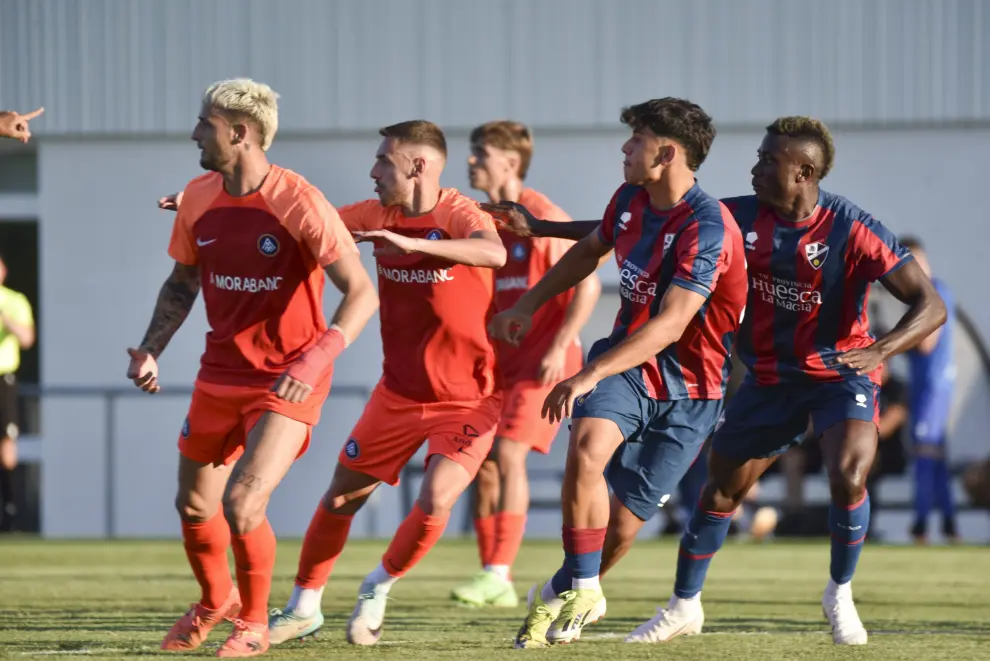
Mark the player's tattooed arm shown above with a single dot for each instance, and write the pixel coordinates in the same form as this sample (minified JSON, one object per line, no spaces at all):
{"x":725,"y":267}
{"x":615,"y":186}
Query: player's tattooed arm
{"x":926,"y":312}
{"x":175,"y":300}
{"x":516,"y":218}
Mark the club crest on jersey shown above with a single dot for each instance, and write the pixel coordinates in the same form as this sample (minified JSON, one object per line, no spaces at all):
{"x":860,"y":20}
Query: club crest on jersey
{"x":668,"y":240}
{"x":351,"y":449}
{"x":816,"y":253}
{"x":268,"y":245}
{"x":519,"y":252}
{"x":434,"y":235}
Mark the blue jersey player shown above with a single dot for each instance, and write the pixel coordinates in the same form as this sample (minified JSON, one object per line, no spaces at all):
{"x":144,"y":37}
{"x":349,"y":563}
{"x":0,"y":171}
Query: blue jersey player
{"x":932,"y":382}
{"x":809,"y":352}
{"x":652,"y":391}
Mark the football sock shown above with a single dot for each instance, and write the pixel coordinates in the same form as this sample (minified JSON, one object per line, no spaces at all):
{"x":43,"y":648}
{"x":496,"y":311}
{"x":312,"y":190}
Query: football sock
{"x":703,"y":537}
{"x":254,"y":557}
{"x":414,"y":538}
{"x":848,"y":526}
{"x":485,"y":531}
{"x":206,"y":546}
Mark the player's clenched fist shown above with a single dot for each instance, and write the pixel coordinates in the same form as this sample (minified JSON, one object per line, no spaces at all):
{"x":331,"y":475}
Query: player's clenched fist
{"x":143,"y":370}
{"x":510,"y":326}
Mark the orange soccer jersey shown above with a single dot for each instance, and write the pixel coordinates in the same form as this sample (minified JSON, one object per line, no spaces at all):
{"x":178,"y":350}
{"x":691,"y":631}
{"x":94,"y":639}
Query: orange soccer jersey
{"x":260,"y":259}
{"x":434,"y":314}
{"x":528,"y":261}
{"x":438,"y":382}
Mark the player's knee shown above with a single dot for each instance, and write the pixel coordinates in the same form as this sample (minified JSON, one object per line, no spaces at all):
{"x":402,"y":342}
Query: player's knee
{"x":194,"y":508}
{"x":718,"y":498}
{"x":244,"y":510}
{"x":588,"y":453}
{"x":848,"y":482}
{"x":511,"y":457}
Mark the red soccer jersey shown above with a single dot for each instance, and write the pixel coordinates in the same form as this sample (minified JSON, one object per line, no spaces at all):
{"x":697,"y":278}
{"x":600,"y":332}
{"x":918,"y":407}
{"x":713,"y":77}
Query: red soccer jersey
{"x":260,"y":260}
{"x":528,"y":261}
{"x":434,"y":314}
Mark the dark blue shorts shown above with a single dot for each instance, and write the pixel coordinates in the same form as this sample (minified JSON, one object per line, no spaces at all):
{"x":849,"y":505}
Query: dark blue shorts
{"x":662,"y":438}
{"x":766,"y":421}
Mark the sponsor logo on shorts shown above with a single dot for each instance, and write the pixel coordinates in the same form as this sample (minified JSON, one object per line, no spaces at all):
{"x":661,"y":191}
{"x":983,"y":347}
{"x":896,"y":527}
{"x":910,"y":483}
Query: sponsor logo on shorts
{"x":185,"y":428}
{"x":470,"y":431}
{"x":351,"y":448}
{"x":268,"y":245}
{"x":861,"y":400}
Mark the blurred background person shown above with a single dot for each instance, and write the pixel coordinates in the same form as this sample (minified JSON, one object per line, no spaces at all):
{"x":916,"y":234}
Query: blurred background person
{"x":932,"y":382}
{"x":16,"y":334}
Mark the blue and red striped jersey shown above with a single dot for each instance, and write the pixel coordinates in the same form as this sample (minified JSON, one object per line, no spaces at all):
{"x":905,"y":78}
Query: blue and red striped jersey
{"x":809,"y":282}
{"x":695,"y":245}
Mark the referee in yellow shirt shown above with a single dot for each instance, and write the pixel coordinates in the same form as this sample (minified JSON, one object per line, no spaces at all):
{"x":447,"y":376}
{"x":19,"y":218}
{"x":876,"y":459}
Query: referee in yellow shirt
{"x":16,"y":334}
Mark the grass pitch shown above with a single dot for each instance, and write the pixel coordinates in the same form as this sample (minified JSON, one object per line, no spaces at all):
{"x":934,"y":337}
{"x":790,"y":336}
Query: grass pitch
{"x":117,"y":600}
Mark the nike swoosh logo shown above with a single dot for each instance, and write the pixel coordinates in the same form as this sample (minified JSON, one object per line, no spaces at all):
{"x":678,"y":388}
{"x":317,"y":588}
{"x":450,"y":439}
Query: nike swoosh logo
{"x":200,"y":242}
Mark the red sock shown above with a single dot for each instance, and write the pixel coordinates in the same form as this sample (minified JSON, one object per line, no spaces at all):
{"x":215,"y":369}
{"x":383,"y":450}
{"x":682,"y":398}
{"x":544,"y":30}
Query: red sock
{"x":206,"y":547}
{"x":485,"y":530}
{"x":254,"y":557}
{"x":324,"y":541}
{"x":508,"y":537}
{"x":414,"y":538}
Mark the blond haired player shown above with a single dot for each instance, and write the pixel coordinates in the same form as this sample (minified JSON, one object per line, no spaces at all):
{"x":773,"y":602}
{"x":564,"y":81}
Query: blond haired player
{"x":257,"y":239}
{"x":501,"y":152}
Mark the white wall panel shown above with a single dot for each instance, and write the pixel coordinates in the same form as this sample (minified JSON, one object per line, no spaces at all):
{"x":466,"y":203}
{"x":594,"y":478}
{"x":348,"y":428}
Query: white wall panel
{"x":134,"y":66}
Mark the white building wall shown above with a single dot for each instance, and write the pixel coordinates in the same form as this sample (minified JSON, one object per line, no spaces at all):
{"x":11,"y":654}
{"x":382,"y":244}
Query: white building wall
{"x":103,"y":259}
{"x":132,"y":66}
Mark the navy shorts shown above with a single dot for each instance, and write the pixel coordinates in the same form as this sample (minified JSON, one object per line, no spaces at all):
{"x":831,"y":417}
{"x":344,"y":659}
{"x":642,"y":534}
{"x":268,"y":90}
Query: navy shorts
{"x":662,"y":439}
{"x":766,"y":421}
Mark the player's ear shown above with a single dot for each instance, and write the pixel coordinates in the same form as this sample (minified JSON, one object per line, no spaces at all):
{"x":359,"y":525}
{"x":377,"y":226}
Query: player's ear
{"x":418,"y":166}
{"x":239,"y":133}
{"x":806,"y":172}
{"x":665,"y":156}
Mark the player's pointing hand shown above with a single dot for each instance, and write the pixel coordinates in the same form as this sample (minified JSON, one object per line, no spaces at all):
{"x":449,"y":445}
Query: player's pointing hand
{"x":510,"y":326}
{"x":511,"y":216}
{"x":15,"y":125}
{"x":387,"y":243}
{"x":143,"y":370}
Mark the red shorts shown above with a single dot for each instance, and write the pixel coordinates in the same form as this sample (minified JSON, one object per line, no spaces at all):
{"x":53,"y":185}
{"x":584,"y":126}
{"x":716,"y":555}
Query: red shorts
{"x":392,"y":429}
{"x":522,"y":404}
{"x":221,"y":416}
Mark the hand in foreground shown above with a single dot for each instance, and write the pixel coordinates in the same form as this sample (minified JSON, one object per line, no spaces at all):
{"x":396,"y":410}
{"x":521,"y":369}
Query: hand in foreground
{"x":511,"y":216}
{"x":15,"y":125}
{"x":559,"y":404}
{"x":143,"y":370}
{"x":510,"y":326}
{"x":170,"y":202}
{"x":386,"y":242}
{"x":864,"y":361}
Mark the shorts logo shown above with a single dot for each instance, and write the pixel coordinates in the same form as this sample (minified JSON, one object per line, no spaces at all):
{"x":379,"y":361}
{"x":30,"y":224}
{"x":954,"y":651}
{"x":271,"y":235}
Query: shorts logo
{"x":816,"y":253}
{"x":519,"y":252}
{"x":470,"y":431}
{"x":721,"y":421}
{"x":434,"y":235}
{"x":351,"y":449}
{"x":663,"y":500}
{"x":185,"y":428}
{"x":581,"y":400}
{"x":268,"y":245}
{"x":861,"y":400}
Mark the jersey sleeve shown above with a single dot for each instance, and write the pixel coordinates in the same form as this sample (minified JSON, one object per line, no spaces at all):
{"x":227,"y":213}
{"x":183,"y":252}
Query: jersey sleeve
{"x":19,"y":310}
{"x":606,"y":231}
{"x":320,"y":228}
{"x":466,"y":218}
{"x":182,"y":246}
{"x":362,"y":216}
{"x":876,"y":249}
{"x":701,"y":255}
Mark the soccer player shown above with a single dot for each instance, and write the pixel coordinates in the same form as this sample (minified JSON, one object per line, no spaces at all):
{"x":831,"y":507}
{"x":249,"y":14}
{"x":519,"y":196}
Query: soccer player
{"x":932,"y":381}
{"x":437,"y":252}
{"x":808,"y":349}
{"x":15,"y":126}
{"x":256,"y":238}
{"x":501,"y":152}
{"x":652,"y":392}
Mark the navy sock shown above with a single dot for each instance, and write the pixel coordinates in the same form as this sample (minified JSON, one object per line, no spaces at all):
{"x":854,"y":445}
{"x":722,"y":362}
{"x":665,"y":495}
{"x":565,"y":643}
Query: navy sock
{"x":924,"y":491}
{"x":848,"y":526}
{"x":583,"y":551}
{"x":703,"y":536}
{"x":561,"y":581}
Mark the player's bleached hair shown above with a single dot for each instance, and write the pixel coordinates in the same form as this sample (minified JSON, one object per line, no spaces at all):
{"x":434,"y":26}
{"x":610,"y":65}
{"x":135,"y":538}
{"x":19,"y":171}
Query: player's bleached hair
{"x":507,"y":135}
{"x":677,"y":119}
{"x":250,"y":99}
{"x":417,"y":132}
{"x":808,"y":128}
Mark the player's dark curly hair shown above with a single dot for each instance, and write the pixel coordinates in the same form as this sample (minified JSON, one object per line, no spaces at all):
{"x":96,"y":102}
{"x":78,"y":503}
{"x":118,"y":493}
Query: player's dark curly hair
{"x":677,"y":119}
{"x":808,"y":128}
